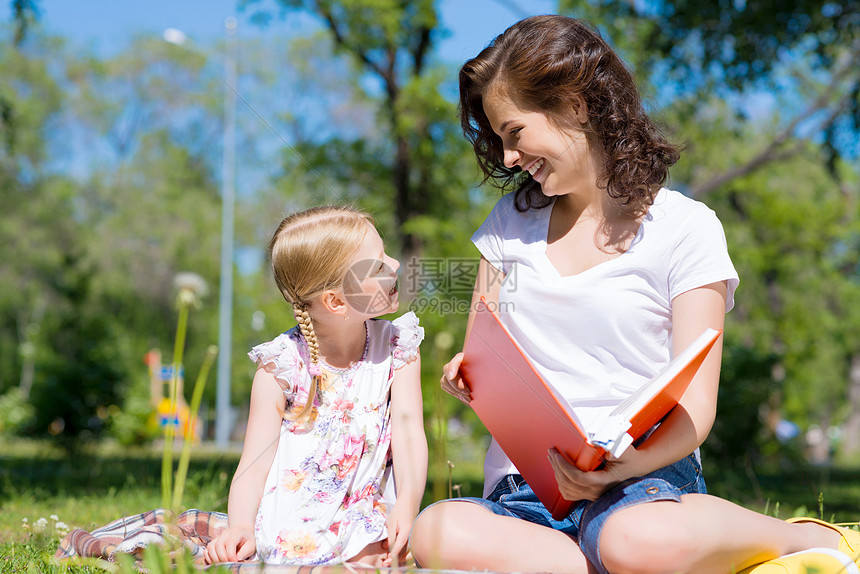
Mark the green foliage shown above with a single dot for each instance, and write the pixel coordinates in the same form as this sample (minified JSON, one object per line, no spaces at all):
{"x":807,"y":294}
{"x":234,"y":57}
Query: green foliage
{"x":25,"y":13}
{"x":739,"y":42}
{"x":131,"y":423}
{"x":783,"y":237}
{"x":35,"y":239}
{"x":88,"y":273}
{"x":746,"y":384}
{"x":78,"y":373}
{"x":15,"y":413}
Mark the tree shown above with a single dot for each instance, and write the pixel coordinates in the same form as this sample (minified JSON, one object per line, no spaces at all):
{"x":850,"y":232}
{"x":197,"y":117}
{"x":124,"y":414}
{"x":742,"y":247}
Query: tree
{"x":88,"y":280}
{"x":24,"y":12}
{"x":56,"y":351}
{"x":791,"y":336}
{"x":391,"y":42}
{"x":151,"y":200}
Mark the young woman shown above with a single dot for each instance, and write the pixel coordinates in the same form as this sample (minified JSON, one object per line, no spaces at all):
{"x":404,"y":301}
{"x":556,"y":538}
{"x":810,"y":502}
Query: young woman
{"x":601,"y":275}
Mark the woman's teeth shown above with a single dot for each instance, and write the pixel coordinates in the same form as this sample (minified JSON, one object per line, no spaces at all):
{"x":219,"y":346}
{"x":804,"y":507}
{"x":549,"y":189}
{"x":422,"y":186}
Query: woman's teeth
{"x":533,"y":168}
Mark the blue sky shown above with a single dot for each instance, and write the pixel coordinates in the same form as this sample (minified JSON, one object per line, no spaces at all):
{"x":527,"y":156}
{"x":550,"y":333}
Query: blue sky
{"x":106,"y":26}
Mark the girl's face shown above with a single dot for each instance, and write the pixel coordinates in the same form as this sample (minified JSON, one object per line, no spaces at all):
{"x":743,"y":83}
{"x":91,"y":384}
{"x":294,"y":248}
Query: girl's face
{"x":370,"y":285}
{"x":559,"y":160}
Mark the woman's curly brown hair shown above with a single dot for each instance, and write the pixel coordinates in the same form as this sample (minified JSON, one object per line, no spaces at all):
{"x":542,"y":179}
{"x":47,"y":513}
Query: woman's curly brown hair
{"x":543,"y":64}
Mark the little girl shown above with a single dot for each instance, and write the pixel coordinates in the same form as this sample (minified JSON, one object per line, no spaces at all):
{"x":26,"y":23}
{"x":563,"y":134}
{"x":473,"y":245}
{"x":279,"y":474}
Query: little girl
{"x":335,"y":404}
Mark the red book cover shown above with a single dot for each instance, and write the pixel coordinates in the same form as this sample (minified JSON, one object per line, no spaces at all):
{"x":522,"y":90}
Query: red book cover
{"x":527,"y":416}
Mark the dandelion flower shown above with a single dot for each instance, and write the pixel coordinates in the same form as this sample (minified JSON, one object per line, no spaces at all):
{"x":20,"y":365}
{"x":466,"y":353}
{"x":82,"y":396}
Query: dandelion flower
{"x":40,"y":525}
{"x":192,"y":282}
{"x":191,"y":286}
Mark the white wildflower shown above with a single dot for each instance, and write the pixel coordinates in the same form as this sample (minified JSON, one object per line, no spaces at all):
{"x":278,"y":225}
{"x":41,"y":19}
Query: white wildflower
{"x":61,"y":530}
{"x":40,"y":525}
{"x":191,"y":289}
{"x":187,"y":281}
{"x":54,"y":517}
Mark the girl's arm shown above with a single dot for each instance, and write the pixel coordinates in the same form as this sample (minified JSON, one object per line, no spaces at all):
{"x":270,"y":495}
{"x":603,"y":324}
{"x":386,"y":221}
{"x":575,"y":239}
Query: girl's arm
{"x":488,"y":283}
{"x":409,"y":453}
{"x":261,"y":441}
{"x":686,"y":426}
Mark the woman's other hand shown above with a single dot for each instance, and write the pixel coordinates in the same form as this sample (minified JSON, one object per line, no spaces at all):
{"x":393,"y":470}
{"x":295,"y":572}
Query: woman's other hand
{"x":452,"y":383}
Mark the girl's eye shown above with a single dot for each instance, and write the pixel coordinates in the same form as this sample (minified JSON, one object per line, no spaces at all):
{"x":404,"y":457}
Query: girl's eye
{"x":515,"y":131}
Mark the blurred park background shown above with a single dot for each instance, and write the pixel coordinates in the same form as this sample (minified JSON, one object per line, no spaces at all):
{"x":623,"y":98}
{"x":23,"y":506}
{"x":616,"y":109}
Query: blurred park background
{"x":135,"y":151}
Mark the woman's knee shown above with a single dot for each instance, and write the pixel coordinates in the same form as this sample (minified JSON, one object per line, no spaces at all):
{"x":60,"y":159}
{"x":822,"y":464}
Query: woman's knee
{"x":441,"y":532}
{"x":636,"y":547}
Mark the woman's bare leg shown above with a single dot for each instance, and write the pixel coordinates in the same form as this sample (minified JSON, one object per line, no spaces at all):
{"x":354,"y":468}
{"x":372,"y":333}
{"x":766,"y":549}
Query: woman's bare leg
{"x":466,"y":536}
{"x":703,"y":534}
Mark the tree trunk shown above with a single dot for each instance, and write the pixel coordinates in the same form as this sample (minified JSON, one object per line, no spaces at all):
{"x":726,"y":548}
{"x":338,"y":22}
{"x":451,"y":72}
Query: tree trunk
{"x":851,"y":430}
{"x":28,"y":328}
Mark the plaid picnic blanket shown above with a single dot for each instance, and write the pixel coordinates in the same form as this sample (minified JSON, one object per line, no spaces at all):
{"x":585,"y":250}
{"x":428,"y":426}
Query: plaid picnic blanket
{"x":193,"y":529}
{"x":131,"y":534}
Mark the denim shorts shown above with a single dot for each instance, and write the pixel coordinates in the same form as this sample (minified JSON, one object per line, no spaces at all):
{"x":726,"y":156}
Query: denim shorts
{"x":513,"y":497}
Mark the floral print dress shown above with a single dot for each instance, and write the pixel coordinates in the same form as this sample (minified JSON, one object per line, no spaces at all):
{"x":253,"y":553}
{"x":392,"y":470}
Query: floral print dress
{"x":331,"y":483}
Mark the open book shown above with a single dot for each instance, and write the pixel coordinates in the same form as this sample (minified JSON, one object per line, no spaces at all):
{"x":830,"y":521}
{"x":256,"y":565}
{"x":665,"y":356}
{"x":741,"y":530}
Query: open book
{"x":527,"y":416}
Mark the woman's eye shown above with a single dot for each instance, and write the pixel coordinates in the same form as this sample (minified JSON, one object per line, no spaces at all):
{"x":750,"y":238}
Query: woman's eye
{"x":515,"y":131}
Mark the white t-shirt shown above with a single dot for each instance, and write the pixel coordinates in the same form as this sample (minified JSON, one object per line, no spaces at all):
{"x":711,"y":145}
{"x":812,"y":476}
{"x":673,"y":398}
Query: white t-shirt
{"x":600,"y":334}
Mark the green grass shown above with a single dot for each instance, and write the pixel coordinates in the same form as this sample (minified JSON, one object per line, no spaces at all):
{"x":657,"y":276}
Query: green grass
{"x":104,"y":482}
{"x":829,"y":493}
{"x":98,"y":485}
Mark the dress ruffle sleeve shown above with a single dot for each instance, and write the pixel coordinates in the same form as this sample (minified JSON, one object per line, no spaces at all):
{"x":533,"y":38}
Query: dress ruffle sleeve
{"x":405,"y":339}
{"x":282,"y":359}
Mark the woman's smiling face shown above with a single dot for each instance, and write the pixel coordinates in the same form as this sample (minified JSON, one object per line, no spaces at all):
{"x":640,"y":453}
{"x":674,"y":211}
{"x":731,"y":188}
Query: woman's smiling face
{"x":559,"y":160}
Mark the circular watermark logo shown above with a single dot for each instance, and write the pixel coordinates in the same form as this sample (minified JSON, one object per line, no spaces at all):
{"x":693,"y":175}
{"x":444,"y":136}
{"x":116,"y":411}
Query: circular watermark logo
{"x":370,"y":286}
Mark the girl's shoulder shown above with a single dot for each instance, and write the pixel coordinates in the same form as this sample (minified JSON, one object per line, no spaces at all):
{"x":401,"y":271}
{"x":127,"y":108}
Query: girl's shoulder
{"x":401,"y":337}
{"x":286,"y":342}
{"x":282,"y":356}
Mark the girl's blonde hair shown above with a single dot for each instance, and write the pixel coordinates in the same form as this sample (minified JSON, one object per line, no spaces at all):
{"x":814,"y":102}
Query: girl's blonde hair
{"x":310,"y":253}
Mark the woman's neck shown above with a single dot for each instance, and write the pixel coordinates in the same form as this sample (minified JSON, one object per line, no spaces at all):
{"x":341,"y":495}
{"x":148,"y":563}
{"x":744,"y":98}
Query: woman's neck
{"x":592,"y":204}
{"x":610,"y":226}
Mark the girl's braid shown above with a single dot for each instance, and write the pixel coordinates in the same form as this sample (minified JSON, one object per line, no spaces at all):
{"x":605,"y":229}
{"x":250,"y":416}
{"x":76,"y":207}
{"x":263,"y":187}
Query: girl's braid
{"x":303,"y":318}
